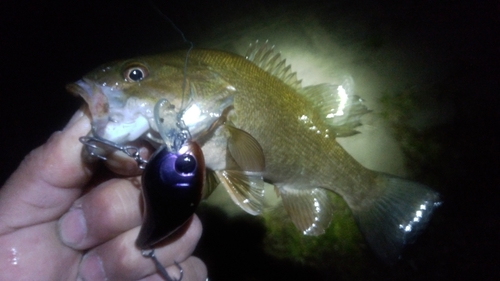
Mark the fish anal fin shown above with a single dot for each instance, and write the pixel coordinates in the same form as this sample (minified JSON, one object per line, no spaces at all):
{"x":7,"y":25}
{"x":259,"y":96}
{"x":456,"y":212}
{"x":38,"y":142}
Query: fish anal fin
{"x":396,"y":216}
{"x":245,"y":150}
{"x":246,"y":189}
{"x":309,"y":209}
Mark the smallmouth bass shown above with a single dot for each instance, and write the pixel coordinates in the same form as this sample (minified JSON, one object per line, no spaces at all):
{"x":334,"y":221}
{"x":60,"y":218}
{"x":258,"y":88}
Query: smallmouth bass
{"x":255,"y":123}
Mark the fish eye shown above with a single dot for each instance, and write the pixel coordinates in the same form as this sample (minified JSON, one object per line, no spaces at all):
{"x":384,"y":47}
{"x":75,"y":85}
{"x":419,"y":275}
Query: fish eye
{"x":185,"y":164}
{"x":135,"y":73}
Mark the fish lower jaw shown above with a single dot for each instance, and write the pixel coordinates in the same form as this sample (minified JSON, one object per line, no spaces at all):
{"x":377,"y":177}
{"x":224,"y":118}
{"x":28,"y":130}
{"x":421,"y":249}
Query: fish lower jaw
{"x":121,"y":132}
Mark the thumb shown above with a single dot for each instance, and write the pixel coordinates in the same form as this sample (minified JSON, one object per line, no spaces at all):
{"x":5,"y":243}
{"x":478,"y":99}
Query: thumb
{"x":48,"y":180}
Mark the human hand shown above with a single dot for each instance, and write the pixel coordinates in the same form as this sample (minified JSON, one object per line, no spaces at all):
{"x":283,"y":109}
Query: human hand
{"x":51,"y":229}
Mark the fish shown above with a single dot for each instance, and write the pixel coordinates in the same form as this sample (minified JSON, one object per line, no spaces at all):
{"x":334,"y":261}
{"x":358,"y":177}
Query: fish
{"x":256,"y":124}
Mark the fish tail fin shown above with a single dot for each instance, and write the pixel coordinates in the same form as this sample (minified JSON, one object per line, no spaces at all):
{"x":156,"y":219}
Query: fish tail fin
{"x":395,"y":217}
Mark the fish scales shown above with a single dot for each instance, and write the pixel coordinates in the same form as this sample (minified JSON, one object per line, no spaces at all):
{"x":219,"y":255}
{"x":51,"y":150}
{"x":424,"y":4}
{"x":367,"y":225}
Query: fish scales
{"x":270,"y":111}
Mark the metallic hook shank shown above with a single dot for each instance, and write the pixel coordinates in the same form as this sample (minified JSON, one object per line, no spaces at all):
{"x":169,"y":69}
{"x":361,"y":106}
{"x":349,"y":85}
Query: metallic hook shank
{"x":92,"y":147}
{"x":151,"y":254}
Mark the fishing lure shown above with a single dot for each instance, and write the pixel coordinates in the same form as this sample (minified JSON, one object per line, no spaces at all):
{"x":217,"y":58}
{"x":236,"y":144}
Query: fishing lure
{"x":172,"y":179}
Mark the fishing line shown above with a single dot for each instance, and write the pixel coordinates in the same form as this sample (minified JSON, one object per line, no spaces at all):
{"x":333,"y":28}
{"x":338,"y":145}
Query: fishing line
{"x":184,"y":82}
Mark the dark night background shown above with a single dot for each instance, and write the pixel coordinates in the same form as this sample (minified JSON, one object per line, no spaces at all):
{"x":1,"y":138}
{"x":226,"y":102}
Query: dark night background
{"x":46,"y":44}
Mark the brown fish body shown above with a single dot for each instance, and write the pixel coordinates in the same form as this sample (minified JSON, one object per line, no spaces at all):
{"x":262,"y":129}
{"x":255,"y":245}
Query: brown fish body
{"x":268,"y":127}
{"x":271,"y":112}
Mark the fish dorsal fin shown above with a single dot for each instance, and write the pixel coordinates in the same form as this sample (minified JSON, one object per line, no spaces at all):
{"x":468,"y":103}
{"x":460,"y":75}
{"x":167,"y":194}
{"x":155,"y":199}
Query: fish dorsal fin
{"x":246,"y":189}
{"x":309,"y":209}
{"x":264,"y":56}
{"x":339,"y":107}
{"x":245,"y":149}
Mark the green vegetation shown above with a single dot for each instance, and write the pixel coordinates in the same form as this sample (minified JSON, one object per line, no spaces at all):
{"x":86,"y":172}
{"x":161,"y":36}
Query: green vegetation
{"x":342,"y":246}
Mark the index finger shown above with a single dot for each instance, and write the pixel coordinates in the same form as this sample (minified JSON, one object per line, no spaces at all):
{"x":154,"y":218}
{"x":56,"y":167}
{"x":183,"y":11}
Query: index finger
{"x":48,"y":180}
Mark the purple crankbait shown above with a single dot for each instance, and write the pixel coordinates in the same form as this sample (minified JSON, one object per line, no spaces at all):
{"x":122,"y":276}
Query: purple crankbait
{"x":172,"y":179}
{"x":172,"y":184}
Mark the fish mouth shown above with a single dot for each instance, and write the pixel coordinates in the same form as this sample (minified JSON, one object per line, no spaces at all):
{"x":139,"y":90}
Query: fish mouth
{"x":96,"y":100}
{"x":114,"y":117}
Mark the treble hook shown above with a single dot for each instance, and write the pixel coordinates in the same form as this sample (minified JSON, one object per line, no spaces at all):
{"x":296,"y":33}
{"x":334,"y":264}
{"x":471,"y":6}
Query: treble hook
{"x":151,"y":254}
{"x":131,"y":151}
{"x":91,"y":145}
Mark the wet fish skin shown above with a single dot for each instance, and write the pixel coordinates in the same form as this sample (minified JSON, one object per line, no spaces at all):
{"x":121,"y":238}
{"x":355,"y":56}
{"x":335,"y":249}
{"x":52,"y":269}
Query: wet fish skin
{"x":266,"y":127}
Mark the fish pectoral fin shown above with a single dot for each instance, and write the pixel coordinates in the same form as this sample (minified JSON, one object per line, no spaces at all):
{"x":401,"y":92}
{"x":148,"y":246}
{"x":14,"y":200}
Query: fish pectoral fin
{"x":340,"y":108}
{"x":245,"y":150}
{"x":309,"y":209}
{"x":245,"y":188}
{"x":211,"y":183}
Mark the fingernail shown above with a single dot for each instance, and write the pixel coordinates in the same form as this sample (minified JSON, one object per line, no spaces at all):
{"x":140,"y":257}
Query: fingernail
{"x":91,"y":268}
{"x":77,"y":116}
{"x":73,"y":227}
